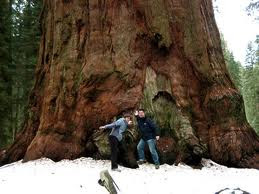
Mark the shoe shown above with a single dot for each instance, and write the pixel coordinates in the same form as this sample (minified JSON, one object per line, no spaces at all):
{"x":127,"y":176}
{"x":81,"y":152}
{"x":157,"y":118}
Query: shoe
{"x":141,"y":162}
{"x":116,"y":169}
{"x":157,"y":166}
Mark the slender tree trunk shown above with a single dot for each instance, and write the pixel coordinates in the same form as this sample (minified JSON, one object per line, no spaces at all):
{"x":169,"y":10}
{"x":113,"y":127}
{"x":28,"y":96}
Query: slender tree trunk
{"x":99,"y":59}
{"x":11,"y":69}
{"x":4,"y":74}
{"x":17,"y":111}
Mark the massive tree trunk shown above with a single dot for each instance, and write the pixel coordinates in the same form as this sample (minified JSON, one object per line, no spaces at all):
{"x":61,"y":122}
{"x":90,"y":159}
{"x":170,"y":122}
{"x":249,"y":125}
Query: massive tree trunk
{"x":101,"y":58}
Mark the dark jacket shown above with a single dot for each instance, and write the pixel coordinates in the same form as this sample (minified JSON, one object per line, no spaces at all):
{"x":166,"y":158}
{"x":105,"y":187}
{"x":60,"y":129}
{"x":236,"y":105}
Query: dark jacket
{"x":147,"y":128}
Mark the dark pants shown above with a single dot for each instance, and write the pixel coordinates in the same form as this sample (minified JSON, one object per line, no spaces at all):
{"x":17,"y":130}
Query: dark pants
{"x":114,"y":144}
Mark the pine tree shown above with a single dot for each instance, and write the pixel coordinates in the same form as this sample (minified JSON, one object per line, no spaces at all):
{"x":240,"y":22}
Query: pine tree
{"x":26,"y":38}
{"x":5,"y":75}
{"x":19,"y":42}
{"x":234,"y":67}
{"x":250,"y":85}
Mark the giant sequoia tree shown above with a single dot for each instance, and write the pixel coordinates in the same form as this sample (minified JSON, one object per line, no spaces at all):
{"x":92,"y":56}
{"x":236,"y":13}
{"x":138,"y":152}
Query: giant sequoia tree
{"x":101,"y":58}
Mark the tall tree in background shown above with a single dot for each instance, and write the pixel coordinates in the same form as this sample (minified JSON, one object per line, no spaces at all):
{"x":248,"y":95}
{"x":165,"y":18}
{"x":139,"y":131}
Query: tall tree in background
{"x":250,"y":85}
{"x":26,"y":39}
{"x":19,"y":28}
{"x":5,"y":75}
{"x":233,"y":66}
{"x":98,"y":59}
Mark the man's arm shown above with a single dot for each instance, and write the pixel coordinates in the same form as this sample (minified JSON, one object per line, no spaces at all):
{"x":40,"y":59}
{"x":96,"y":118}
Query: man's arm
{"x":136,"y":115}
{"x":110,"y":126}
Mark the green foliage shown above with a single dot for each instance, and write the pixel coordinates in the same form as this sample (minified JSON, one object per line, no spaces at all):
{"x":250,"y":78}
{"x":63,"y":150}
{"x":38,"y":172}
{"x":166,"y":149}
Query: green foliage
{"x":19,"y":42}
{"x":250,"y":84}
{"x":251,"y":75}
{"x":233,"y":66}
{"x":5,"y":62}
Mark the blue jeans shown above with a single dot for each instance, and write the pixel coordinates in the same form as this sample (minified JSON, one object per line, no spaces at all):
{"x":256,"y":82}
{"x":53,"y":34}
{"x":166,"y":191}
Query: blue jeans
{"x":152,"y":148}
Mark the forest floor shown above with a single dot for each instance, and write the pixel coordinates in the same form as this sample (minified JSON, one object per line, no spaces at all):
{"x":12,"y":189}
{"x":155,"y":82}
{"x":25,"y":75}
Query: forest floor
{"x":81,"y":176}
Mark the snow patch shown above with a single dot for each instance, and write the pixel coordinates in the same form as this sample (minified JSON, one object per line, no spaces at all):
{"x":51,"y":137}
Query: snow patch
{"x":81,"y":176}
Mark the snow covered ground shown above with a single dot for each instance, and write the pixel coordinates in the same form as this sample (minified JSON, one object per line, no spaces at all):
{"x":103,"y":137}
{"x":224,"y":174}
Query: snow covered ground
{"x":80,"y":176}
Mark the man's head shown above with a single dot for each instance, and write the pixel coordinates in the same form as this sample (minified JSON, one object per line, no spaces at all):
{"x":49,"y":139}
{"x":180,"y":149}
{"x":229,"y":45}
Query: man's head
{"x":141,"y":113}
{"x":127,"y":118}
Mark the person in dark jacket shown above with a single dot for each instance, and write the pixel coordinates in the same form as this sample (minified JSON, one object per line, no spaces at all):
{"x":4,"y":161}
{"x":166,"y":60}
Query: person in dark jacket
{"x":118,"y":127}
{"x":149,"y":134}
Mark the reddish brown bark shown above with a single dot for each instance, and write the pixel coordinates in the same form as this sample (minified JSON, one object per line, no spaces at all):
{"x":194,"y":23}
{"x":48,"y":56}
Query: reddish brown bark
{"x":101,"y":58}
